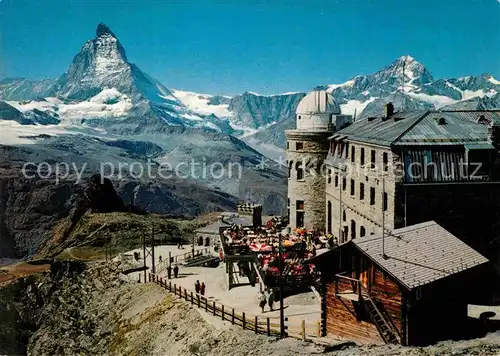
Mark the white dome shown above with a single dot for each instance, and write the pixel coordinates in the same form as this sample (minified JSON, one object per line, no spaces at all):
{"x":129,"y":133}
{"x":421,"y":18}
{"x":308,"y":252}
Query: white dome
{"x":318,"y":102}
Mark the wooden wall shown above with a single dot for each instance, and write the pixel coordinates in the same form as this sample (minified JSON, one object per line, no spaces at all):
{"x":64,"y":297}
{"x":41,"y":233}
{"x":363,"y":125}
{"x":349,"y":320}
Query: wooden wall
{"x":341,"y":320}
{"x":348,"y":319}
{"x":389,"y":297}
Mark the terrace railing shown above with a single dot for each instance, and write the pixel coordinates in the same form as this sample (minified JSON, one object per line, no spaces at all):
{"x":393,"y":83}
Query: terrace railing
{"x":259,"y":325}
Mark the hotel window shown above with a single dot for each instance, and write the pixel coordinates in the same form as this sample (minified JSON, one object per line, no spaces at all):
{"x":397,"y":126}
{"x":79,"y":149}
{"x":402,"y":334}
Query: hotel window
{"x":336,"y":180}
{"x":299,"y":145}
{"x":344,"y":216}
{"x":373,"y":157}
{"x":300,"y":171}
{"x":287,"y":145}
{"x":384,"y":201}
{"x":362,"y":231}
{"x":329,"y":176}
{"x":353,"y":153}
{"x":362,"y":158}
{"x":361,"y":191}
{"x":352,"y":187}
{"x":353,"y":229}
{"x":372,"y":196}
{"x":386,"y":161}
{"x":346,"y":150}
{"x":299,"y":205}
{"x":344,"y":183}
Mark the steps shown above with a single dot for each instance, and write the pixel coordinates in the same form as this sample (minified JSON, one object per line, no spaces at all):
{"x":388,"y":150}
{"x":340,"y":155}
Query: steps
{"x":389,"y":335}
{"x":205,"y":260}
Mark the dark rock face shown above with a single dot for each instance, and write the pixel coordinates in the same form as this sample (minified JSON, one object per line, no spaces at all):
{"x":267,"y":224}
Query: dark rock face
{"x":101,"y":196}
{"x":56,"y":301}
{"x":28,"y":211}
{"x":10,"y":113}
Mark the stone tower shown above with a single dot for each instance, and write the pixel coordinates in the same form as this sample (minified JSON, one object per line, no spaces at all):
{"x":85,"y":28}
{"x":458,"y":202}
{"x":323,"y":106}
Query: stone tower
{"x":307,"y":148}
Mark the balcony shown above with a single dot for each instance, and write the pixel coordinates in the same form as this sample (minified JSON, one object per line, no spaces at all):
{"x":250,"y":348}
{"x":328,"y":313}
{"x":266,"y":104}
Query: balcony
{"x":347,"y":288}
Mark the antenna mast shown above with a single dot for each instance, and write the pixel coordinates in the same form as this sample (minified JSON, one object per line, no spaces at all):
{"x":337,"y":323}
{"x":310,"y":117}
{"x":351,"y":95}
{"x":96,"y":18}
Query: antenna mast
{"x":403,"y":83}
{"x":383,"y":219}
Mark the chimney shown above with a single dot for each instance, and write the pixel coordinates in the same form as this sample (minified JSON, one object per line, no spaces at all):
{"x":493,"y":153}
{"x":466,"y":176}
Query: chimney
{"x":255,"y":211}
{"x":389,"y":110}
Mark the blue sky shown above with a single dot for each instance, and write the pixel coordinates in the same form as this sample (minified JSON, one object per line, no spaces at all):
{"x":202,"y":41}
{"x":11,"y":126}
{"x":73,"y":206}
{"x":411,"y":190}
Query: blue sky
{"x":227,"y":47}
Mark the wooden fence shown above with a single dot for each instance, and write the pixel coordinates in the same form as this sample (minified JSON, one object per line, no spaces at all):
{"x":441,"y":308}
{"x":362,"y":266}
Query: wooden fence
{"x":259,"y":325}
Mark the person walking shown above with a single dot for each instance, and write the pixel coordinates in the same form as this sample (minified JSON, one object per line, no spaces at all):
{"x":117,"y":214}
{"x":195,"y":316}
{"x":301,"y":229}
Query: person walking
{"x":262,"y":301}
{"x":197,"y":287}
{"x":169,"y":271}
{"x":176,"y":271}
{"x":202,"y":288}
{"x":270,"y":299}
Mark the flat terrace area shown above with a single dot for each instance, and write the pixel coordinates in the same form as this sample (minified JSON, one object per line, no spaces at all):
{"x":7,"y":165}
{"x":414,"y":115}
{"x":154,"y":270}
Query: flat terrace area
{"x":304,"y":306}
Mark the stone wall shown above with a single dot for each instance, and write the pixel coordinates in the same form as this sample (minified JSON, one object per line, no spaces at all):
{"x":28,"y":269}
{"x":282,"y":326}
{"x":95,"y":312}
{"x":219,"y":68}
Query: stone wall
{"x":359,"y":212}
{"x":311,"y":188}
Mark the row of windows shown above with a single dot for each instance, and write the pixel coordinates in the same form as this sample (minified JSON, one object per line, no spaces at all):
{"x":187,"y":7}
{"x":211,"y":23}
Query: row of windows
{"x":361,"y":190}
{"x":342,"y":148}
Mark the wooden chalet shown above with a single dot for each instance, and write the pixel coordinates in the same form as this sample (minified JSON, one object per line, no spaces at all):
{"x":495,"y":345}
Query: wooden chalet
{"x":411,"y":287}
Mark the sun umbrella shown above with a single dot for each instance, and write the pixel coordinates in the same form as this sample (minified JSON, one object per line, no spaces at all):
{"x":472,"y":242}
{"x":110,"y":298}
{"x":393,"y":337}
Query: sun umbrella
{"x":265,"y":247}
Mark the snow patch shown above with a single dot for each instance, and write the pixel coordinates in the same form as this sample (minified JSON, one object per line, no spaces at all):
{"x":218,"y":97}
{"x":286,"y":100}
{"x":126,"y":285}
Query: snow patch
{"x":493,"y":80}
{"x":199,"y":103}
{"x":436,"y":100}
{"x":355,"y":106}
{"x":13,"y":133}
{"x":108,"y":103}
{"x":332,"y":87}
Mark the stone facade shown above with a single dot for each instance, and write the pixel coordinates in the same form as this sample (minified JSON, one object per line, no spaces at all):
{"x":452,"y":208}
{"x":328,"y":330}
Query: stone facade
{"x":306,"y":152}
{"x":360,"y":193}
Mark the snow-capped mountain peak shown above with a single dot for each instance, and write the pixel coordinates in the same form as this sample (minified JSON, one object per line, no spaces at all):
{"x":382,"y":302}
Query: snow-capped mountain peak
{"x":104,"y":30}
{"x":407,"y":69}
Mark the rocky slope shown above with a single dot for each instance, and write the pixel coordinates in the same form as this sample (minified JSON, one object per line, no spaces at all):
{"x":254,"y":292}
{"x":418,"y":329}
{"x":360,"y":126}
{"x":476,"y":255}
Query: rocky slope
{"x":31,"y":206}
{"x":91,"y":310}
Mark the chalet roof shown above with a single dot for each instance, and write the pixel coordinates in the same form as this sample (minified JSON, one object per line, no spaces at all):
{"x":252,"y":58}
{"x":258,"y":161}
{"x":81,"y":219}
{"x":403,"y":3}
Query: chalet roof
{"x":424,"y":128}
{"x":420,"y":254}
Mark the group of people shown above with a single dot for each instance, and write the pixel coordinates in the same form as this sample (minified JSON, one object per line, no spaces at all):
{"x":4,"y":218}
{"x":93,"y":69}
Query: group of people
{"x":199,"y":288}
{"x":267,"y":297}
{"x":175,"y":270}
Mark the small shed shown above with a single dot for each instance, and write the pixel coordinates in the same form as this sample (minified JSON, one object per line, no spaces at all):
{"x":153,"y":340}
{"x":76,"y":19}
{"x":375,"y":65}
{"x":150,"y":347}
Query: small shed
{"x":411,"y":286}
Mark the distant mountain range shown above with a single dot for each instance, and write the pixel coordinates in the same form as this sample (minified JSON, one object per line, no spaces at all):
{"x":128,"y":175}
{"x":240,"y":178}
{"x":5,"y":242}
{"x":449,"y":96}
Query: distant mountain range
{"x":260,"y":120}
{"x":104,"y":94}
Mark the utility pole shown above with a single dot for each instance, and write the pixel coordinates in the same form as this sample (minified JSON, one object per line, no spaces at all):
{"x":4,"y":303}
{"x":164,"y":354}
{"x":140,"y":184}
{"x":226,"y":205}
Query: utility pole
{"x":153,"y":265}
{"x":383,"y":217}
{"x":282,"y":308}
{"x":144,"y":253}
{"x":341,"y":219}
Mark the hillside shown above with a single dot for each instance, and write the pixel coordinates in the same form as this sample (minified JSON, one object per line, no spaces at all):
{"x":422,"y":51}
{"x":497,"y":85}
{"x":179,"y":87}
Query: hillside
{"x":91,"y":310}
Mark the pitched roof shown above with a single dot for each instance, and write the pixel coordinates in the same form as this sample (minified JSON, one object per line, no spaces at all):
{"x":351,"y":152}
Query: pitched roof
{"x":423,"y":128}
{"x":456,"y":129}
{"x":420,"y":254}
{"x":379,"y":131}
